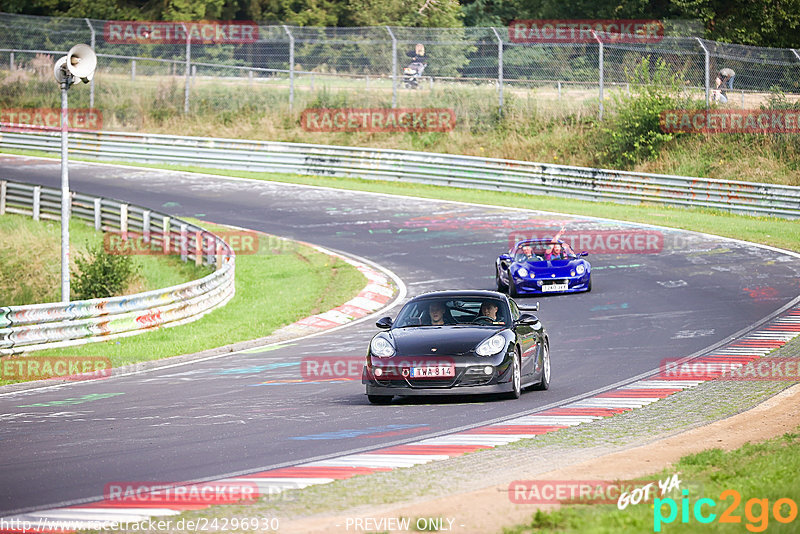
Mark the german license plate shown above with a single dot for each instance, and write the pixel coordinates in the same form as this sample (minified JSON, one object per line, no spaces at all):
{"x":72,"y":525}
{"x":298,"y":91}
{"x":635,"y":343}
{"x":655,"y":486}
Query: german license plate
{"x":433,"y":371}
{"x":556,"y":287}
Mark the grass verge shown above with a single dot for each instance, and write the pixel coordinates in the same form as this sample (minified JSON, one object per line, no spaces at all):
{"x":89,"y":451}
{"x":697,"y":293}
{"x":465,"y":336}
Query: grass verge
{"x":274,"y":287}
{"x":30,"y":261}
{"x":760,"y":473}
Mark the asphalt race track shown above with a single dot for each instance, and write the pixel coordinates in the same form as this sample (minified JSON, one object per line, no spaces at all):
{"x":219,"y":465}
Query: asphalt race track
{"x":247,"y":412}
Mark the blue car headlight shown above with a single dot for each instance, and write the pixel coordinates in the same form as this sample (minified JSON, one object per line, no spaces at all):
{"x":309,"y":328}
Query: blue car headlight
{"x":491,"y":346}
{"x":522,"y":271}
{"x":580,"y":269}
{"x":381,"y":346}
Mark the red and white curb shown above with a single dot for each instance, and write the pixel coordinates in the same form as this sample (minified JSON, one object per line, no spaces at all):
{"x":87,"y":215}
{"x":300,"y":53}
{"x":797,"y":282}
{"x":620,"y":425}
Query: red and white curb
{"x":772,"y":335}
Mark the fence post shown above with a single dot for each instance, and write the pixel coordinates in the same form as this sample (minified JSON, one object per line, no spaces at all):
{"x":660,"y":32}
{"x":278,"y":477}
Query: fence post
{"x":394,"y":67}
{"x":12,"y":66}
{"x":133,"y":70}
{"x":91,"y":83}
{"x":37,"y":202}
{"x":600,"y":73}
{"x":707,"y":72}
{"x":291,"y":66}
{"x":499,"y":71}
{"x":187,"y":71}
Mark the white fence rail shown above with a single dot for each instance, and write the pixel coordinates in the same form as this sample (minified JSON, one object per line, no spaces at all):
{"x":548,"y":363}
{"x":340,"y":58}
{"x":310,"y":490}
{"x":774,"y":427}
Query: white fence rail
{"x":38,"y":326}
{"x":422,"y":167}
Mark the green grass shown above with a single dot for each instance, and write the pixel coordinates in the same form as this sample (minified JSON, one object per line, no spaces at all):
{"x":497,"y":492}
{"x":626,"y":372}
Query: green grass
{"x":766,"y":470}
{"x":30,"y":261}
{"x":274,"y":287}
{"x":536,"y":124}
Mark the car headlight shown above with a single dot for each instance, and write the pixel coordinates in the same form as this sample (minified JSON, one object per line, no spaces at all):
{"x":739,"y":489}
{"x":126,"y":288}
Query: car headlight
{"x":381,"y":347}
{"x":522,"y":271}
{"x":572,"y":272}
{"x":580,"y":269}
{"x":491,"y":346}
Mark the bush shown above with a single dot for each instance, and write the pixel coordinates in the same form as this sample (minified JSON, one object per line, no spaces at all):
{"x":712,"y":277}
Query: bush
{"x":101,"y":275}
{"x":634,"y":130}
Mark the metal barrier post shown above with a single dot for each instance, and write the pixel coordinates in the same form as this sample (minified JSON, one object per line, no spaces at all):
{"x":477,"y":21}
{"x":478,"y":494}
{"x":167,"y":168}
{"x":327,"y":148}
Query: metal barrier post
{"x":184,"y":244}
{"x":123,"y":221}
{"x":37,"y":202}
{"x":11,"y":65}
{"x":165,"y":246}
{"x":146,"y":226}
{"x":394,"y":67}
{"x":133,"y":70}
{"x":3,"y":186}
{"x":98,"y":216}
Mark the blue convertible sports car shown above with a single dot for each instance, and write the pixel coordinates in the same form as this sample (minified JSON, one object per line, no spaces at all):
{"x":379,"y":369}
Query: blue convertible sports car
{"x":537,"y":266}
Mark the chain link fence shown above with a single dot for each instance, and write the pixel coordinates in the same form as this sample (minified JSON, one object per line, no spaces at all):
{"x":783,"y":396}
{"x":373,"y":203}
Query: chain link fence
{"x":477,"y":71}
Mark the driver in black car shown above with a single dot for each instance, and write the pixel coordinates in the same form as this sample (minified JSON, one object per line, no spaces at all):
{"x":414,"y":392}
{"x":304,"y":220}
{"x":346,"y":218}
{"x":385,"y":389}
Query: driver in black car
{"x":438,"y":314}
{"x":489,"y":309}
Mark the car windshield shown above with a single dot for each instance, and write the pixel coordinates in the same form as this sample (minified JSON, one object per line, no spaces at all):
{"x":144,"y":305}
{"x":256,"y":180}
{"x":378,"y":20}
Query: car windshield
{"x":542,"y":251}
{"x":453,"y":312}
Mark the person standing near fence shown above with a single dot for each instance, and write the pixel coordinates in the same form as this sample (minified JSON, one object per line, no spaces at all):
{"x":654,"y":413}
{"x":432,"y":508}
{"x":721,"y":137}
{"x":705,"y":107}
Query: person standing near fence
{"x":724,"y":82}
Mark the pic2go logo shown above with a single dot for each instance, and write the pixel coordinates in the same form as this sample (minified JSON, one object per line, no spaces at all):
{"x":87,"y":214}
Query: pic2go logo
{"x":756,"y":511}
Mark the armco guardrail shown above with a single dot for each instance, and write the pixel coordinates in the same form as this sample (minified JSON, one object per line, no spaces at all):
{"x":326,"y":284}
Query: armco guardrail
{"x":439,"y":169}
{"x":38,"y":326}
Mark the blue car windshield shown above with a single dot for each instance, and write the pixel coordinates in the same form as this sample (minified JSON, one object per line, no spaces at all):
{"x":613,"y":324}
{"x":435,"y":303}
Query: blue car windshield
{"x":543,"y":252}
{"x":453,"y":312}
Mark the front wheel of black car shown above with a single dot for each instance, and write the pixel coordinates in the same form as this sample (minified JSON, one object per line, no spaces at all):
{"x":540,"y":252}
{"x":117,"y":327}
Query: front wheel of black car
{"x":516,"y":379}
{"x":544,"y":383}
{"x":379,"y":399}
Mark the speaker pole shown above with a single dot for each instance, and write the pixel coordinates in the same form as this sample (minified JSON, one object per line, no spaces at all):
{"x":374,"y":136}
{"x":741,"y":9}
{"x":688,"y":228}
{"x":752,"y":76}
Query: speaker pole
{"x":65,"y":197}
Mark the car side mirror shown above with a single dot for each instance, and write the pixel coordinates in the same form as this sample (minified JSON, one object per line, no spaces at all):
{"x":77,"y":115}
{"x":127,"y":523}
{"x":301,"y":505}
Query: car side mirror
{"x":527,"y":319}
{"x":384,"y":322}
{"x":583,"y":254}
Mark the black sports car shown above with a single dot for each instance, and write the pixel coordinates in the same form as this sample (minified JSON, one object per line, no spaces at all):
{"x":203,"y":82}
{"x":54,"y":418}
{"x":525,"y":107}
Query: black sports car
{"x":457,"y":342}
